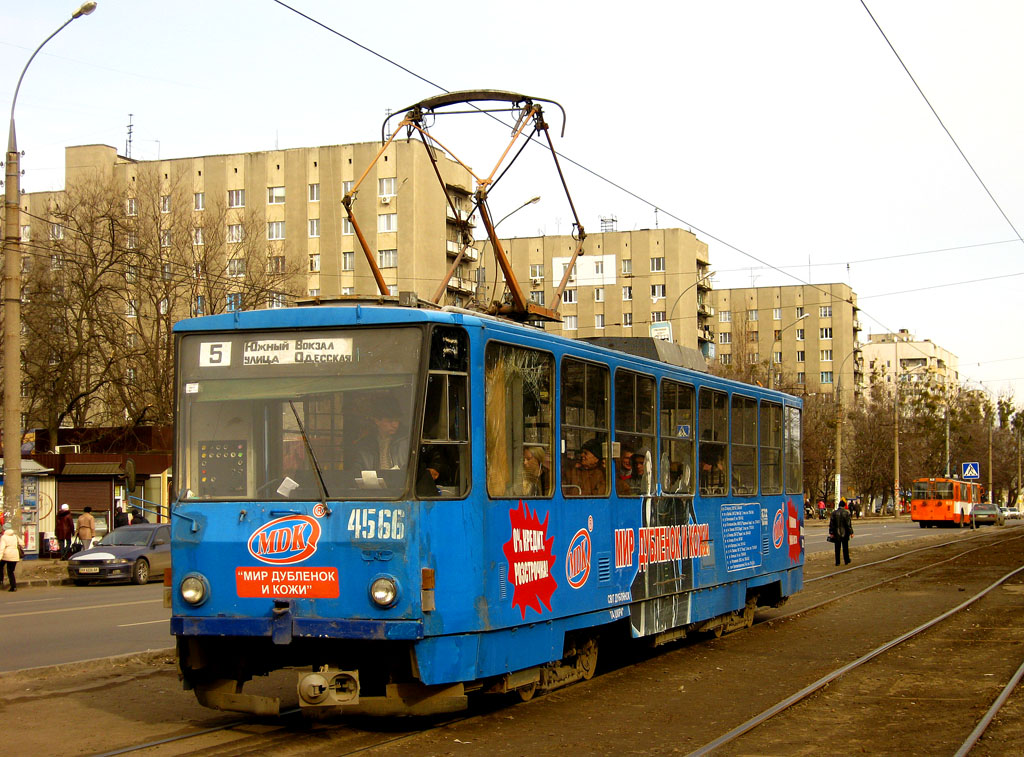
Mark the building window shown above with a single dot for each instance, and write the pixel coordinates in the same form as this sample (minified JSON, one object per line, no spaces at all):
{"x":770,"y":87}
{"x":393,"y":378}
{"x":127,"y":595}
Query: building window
{"x":275,"y":230}
{"x":751,"y":315}
{"x":386,"y":187}
{"x":314,"y":262}
{"x":236,"y":267}
{"x":234,"y":301}
{"x":725,"y":316}
{"x":826,"y":377}
{"x":826,"y":356}
{"x":275,"y":300}
{"x":572,"y":276}
{"x":627,"y":294}
{"x":236,"y":198}
{"x":800,"y":312}
{"x":168,"y":271}
{"x":165,"y":203}
{"x":627,"y":267}
{"x":599,"y":321}
{"x":776,"y":314}
{"x":725,"y":358}
{"x":599,"y":267}
{"x":657,"y":292}
{"x":536,"y":271}
{"x":800,"y":356}
{"x":657,"y":265}
{"x":316,"y":292}
{"x":344,"y":290}
{"x":387,"y":258}
{"x":314,"y":227}
{"x":569,"y":323}
{"x":801,"y":378}
{"x":197,"y":235}
{"x":275,"y":195}
{"x":777,"y":358}
{"x":199,"y":201}
{"x":131,"y":273}
{"x":599,"y":294}
{"x":537,"y":297}
{"x":800,"y":335}
{"x":753,"y":358}
{"x":725,"y":337}
{"x":56,"y":232}
{"x":164,"y":306}
{"x":348,"y":261}
{"x":346,"y":187}
{"x":200,"y":304}
{"x":778,"y":335}
{"x":275,"y":264}
{"x":627,"y":320}
{"x":26,"y":233}
{"x":314,"y":193}
{"x":568,"y":296}
{"x":657,"y":316}
{"x":825,"y":333}
{"x":132,"y":206}
{"x":130,"y":374}
{"x":387,"y":222}
{"x":346,"y":226}
{"x":825,"y":311}
{"x":234,"y":232}
{"x":751,"y":336}
{"x":131,"y":309}
{"x":165,"y":238}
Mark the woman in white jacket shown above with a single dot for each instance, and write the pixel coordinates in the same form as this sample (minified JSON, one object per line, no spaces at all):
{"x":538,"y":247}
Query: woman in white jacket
{"x":9,"y":557}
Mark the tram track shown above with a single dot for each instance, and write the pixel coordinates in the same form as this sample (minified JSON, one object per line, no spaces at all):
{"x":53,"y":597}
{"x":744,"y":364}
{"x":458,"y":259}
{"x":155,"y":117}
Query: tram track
{"x":346,"y":738}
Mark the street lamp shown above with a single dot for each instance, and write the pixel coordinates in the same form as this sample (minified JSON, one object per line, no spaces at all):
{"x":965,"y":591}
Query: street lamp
{"x":12,"y":304}
{"x":839,"y":423}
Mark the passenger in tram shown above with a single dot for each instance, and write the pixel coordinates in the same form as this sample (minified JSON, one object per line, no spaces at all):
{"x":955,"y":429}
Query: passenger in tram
{"x":536,"y":473}
{"x":624,"y":471}
{"x":587,"y":477}
{"x":639,"y":465}
{"x":712,"y":469}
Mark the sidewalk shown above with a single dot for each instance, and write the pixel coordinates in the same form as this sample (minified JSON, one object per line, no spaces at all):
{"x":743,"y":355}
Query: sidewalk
{"x":41,"y":572}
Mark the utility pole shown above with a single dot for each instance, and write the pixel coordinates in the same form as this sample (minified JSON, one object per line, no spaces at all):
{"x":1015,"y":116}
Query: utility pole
{"x":896,"y":431}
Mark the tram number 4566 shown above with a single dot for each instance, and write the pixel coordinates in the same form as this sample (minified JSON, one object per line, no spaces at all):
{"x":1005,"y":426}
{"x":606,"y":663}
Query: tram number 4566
{"x":377,"y":523}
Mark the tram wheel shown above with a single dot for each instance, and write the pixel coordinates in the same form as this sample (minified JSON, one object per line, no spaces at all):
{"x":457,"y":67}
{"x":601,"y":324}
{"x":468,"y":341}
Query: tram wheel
{"x":526,"y":692}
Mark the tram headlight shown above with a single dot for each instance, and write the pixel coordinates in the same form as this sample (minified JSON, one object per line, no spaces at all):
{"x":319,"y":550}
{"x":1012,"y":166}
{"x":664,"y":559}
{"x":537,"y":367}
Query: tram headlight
{"x":194,"y":589}
{"x":384,"y":591}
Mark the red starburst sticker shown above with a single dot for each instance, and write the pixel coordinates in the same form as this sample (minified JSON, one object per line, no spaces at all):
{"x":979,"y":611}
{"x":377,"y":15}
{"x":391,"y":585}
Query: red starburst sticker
{"x":530,"y":560}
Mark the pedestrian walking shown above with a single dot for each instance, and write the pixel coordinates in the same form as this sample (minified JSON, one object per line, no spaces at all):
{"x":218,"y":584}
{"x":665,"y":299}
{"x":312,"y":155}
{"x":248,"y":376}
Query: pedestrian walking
{"x":10,"y":554}
{"x":65,"y":531}
{"x":840,"y":529}
{"x":86,"y":527}
{"x":121,"y":517}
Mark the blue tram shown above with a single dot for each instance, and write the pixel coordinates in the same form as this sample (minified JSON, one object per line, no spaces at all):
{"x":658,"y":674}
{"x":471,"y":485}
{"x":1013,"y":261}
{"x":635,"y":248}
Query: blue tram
{"x":411,"y":505}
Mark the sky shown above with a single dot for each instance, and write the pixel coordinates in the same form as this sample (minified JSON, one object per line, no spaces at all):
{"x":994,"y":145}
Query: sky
{"x":793,"y":137}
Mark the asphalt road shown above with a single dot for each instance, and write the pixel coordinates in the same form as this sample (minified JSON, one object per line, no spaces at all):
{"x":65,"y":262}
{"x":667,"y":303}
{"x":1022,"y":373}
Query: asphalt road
{"x":53,"y":625}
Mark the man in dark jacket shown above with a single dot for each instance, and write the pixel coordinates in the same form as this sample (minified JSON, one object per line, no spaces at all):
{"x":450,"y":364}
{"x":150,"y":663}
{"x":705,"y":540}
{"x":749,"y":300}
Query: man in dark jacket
{"x":65,"y":530}
{"x":840,"y":528}
{"x":121,"y":517}
{"x":138,"y":516}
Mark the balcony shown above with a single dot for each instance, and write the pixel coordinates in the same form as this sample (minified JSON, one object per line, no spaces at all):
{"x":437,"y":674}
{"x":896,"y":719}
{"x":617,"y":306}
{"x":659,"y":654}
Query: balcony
{"x":453,"y":248}
{"x":464,"y":286}
{"x":463,"y":215}
{"x":705,"y":310}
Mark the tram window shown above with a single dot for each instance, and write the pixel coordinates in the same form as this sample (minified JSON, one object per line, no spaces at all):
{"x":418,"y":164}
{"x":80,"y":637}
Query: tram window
{"x":518,"y":387}
{"x":771,"y":448}
{"x":744,"y":445}
{"x":584,"y":429}
{"x":713,"y":419}
{"x":634,"y":434}
{"x":677,"y":432}
{"x":793,"y":446}
{"x":443,"y":469}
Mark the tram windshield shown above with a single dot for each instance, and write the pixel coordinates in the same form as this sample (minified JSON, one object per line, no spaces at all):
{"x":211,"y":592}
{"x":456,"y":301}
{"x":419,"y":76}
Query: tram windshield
{"x":297,"y":415}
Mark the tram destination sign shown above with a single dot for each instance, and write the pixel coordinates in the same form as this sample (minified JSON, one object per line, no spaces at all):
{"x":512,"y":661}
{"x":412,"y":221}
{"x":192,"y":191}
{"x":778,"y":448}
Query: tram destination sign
{"x":304,"y":350}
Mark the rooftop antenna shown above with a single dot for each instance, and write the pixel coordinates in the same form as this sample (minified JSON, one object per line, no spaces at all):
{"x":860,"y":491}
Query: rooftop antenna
{"x":655,"y":218}
{"x":128,"y":143}
{"x":608,"y":223}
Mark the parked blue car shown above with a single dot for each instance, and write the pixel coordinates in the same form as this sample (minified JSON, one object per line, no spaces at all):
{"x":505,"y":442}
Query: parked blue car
{"x":136,"y":553}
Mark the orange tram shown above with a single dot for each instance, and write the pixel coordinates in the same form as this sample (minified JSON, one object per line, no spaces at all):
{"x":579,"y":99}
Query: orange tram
{"x":944,"y":501}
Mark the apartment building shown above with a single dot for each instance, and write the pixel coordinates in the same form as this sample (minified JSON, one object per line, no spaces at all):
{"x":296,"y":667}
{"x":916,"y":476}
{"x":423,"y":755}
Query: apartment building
{"x":650,"y":282}
{"x":295,"y":197}
{"x":919,"y":361}
{"x":805,"y":337}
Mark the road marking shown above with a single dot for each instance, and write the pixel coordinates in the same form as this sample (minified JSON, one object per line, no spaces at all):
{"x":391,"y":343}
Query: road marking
{"x":145,"y":623}
{"x":80,"y":609}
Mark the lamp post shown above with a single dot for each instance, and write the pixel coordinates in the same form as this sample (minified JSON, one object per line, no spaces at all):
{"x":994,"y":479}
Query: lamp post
{"x":12,"y":303}
{"x":778,"y":341}
{"x":700,"y":280}
{"x":839,"y":423}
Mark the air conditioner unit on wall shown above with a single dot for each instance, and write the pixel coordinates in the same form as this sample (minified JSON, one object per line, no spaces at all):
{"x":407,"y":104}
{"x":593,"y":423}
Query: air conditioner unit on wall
{"x":385,"y":200}
{"x":67,"y":449}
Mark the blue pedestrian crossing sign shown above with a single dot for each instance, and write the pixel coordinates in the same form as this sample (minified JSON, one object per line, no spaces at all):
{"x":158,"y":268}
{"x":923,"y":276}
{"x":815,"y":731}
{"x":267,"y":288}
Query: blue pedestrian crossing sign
{"x":971,"y":470}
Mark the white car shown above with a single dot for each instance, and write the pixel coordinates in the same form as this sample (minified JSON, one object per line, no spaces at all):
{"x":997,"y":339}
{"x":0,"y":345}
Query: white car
{"x":1011,"y":513}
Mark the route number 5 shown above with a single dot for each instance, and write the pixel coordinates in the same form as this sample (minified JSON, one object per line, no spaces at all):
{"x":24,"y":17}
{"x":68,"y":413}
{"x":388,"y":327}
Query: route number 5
{"x":214,"y":354}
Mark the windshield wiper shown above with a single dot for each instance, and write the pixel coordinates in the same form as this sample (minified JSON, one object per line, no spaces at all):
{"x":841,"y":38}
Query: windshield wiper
{"x":312,"y":459}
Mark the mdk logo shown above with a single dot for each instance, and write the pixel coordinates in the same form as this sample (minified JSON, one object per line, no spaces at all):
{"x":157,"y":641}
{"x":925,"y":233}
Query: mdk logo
{"x":577,"y":559}
{"x":285,"y":541}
